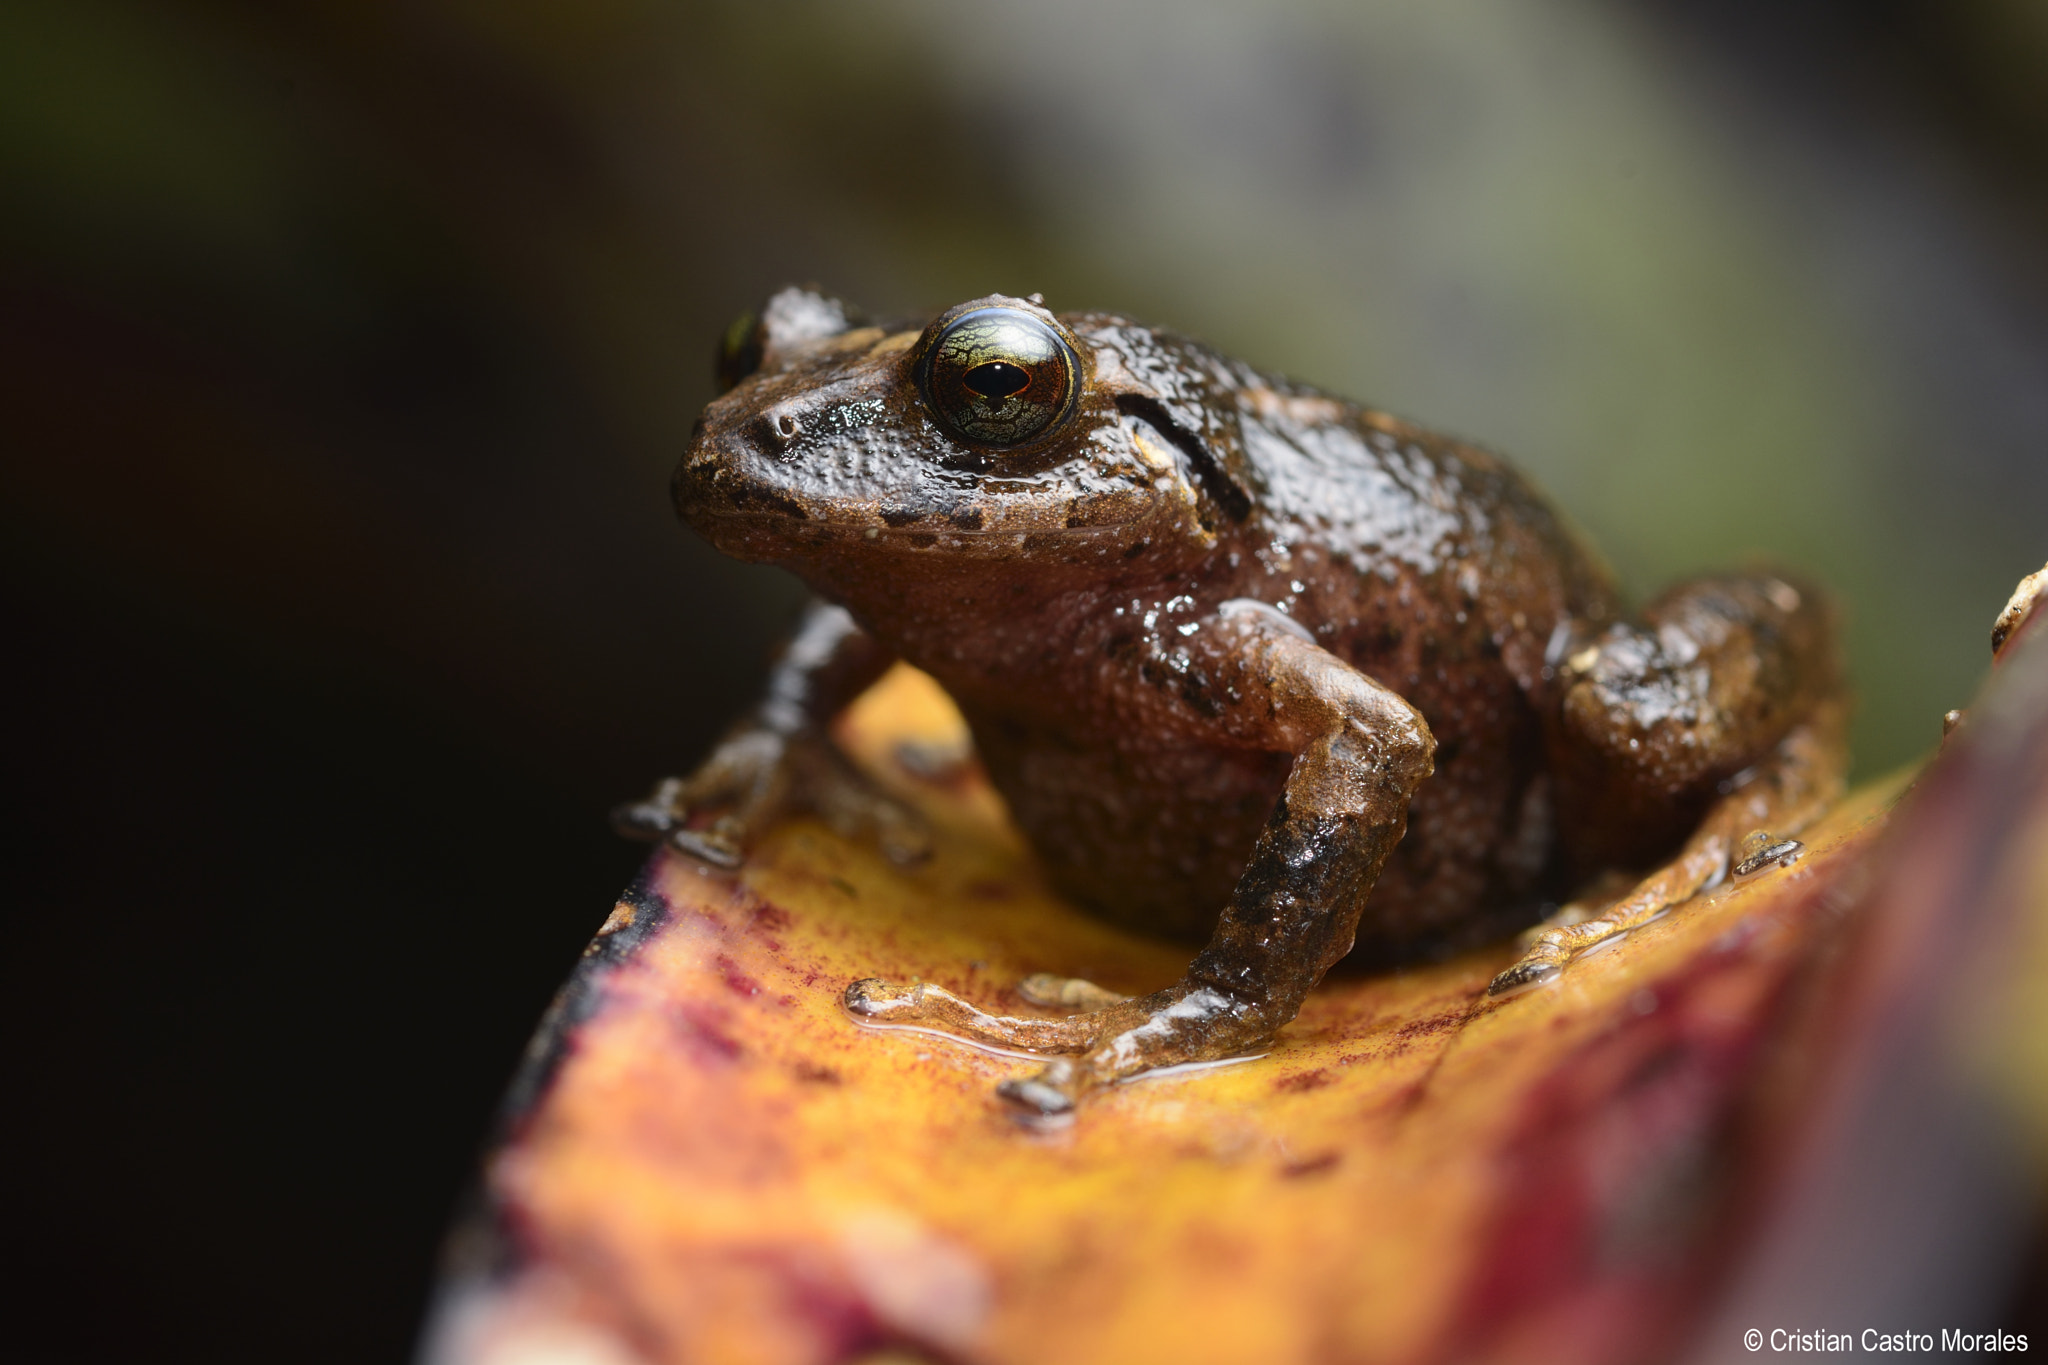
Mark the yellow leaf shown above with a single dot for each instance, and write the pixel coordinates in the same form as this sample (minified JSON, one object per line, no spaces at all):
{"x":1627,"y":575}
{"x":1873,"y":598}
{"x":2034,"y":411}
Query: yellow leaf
{"x":708,"y":1159}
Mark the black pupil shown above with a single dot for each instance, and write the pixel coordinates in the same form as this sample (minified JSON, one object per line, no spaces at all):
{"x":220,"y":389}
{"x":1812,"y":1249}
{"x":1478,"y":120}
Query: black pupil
{"x":996,"y":379}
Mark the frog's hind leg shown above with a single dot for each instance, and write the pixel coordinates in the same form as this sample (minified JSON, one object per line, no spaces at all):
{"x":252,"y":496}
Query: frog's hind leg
{"x":1784,"y":794}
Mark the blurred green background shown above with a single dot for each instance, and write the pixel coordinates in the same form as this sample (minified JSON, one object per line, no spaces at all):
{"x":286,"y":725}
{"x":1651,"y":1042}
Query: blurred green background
{"x":346,"y":349}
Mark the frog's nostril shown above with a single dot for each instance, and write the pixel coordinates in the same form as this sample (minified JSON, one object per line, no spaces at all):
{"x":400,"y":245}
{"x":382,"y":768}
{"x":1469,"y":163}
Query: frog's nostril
{"x":777,"y":427}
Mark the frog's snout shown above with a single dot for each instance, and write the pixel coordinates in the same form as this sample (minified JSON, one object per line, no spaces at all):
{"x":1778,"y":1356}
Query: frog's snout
{"x":696,"y":487}
{"x":739,"y":491}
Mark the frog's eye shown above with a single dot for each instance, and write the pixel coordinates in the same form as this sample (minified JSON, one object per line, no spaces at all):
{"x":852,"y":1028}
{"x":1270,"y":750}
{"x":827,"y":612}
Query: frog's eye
{"x":739,"y":350}
{"x":999,"y":376}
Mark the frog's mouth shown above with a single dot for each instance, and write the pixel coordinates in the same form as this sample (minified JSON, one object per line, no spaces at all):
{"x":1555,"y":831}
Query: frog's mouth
{"x":778,"y":536}
{"x":750,"y":518}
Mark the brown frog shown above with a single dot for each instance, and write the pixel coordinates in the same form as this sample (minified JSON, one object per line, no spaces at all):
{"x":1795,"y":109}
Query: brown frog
{"x":1250,"y":664}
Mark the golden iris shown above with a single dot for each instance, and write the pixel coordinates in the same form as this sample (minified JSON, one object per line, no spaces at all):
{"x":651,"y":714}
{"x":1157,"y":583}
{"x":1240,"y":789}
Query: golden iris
{"x":999,"y":377}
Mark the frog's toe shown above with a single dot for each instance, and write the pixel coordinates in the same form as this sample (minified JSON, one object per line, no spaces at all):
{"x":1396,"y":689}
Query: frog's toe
{"x":1524,"y":975}
{"x":874,"y":998}
{"x":656,"y":817}
{"x":853,"y":807}
{"x":721,"y":849}
{"x":2025,"y":598}
{"x":1762,"y":849}
{"x":905,"y":838}
{"x":940,"y":762}
{"x":722,"y":843}
{"x":674,"y":813}
{"x":1067,"y":992}
{"x":1046,"y":1095}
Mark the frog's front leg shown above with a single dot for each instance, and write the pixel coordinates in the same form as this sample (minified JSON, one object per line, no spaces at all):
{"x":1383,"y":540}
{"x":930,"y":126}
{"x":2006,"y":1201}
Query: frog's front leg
{"x":780,"y":758}
{"x":1729,"y":676}
{"x":1360,"y":753}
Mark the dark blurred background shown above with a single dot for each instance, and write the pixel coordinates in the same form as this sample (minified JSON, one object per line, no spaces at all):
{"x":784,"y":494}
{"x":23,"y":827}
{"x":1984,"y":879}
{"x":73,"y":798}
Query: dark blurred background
{"x":345,"y":350}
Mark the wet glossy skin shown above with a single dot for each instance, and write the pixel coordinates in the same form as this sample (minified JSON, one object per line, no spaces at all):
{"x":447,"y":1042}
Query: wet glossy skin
{"x":1244,"y":659}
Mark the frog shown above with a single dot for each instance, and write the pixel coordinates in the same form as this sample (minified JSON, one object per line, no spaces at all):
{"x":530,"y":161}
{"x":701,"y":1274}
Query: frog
{"x":1283,"y":676}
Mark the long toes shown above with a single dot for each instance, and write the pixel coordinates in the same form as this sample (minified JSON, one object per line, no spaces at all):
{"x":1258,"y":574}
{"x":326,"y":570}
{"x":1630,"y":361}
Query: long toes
{"x":1523,"y":976}
{"x":856,"y":810}
{"x":1046,"y":1095}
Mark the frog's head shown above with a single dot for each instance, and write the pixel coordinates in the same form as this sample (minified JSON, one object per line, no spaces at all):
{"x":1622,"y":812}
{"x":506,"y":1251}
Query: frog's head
{"x":997,"y":432}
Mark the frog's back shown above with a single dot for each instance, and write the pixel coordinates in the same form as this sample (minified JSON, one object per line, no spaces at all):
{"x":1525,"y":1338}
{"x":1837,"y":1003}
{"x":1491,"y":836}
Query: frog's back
{"x":1397,"y":503}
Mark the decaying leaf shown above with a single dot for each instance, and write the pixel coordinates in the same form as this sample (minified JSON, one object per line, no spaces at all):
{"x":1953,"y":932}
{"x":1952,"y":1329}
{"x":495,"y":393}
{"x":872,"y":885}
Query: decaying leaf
{"x":705,"y":1158}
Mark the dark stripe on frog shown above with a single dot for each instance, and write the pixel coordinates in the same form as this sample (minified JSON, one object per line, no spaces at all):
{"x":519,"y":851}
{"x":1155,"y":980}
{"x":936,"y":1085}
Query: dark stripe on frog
{"x":967,"y":519}
{"x":749,"y":498}
{"x":1223,"y":490}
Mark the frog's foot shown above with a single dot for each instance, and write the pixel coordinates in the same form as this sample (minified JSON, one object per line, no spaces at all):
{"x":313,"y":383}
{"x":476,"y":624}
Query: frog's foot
{"x":1545,"y":959}
{"x":655,"y":816}
{"x":663,"y":817}
{"x":1183,"y":1023}
{"x":755,"y":776}
{"x":845,"y":798}
{"x":1785,"y":793}
{"x":1067,"y":992}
